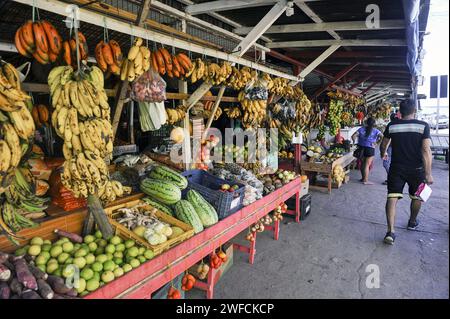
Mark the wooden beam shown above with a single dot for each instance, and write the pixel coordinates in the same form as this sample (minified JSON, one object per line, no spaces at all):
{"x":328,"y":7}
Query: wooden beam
{"x":88,"y":16}
{"x":364,"y":79}
{"x":317,"y":61}
{"x":338,"y":76}
{"x":126,"y":15}
{"x":348,"y":43}
{"x":224,"y":5}
{"x":313,"y":16}
{"x":187,"y":17}
{"x":143,"y":12}
{"x":368,"y":88}
{"x":326,"y":26}
{"x":312,"y":54}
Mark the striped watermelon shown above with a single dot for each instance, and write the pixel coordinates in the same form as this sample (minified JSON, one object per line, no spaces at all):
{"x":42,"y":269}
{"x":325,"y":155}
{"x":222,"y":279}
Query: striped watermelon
{"x":164,"y":173}
{"x":186,"y":213}
{"x":205,"y":210}
{"x":162,"y":191}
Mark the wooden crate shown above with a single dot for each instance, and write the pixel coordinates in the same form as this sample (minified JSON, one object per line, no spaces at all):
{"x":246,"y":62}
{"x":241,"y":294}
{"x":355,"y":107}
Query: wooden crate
{"x":71,"y":222}
{"x":112,"y":212}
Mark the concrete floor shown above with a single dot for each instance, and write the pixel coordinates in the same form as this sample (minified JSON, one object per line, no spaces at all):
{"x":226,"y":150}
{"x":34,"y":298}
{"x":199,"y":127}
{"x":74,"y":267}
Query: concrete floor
{"x":327,"y":254}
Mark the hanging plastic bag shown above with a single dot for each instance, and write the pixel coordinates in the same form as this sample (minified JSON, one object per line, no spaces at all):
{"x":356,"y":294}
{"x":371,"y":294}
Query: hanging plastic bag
{"x":257,"y":89}
{"x":149,"y":87}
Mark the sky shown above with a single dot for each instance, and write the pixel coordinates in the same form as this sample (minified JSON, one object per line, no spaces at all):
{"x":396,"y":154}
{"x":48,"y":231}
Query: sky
{"x":436,"y":46}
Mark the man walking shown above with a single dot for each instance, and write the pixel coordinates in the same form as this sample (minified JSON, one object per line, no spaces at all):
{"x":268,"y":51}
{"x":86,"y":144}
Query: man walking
{"x":410,"y":163}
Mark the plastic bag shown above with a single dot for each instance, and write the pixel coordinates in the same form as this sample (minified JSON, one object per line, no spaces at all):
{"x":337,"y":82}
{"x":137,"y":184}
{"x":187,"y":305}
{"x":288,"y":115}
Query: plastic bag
{"x":149,"y":87}
{"x":257,"y":90}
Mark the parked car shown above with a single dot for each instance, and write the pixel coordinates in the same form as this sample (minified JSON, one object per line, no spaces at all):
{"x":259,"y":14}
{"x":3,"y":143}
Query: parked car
{"x":442,"y":122}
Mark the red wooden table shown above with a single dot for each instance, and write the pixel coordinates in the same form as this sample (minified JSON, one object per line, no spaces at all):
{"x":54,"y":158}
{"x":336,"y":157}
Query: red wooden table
{"x":141,"y":282}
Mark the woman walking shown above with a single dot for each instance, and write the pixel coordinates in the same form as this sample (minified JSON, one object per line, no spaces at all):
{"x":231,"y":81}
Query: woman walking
{"x":368,"y":137}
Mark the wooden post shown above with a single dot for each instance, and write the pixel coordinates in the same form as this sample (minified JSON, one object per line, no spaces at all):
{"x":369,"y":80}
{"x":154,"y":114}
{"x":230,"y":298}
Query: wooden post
{"x":120,"y":99}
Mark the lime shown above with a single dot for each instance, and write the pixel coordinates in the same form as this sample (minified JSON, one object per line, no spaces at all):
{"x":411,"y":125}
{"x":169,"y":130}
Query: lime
{"x":92,"y":247}
{"x":96,"y":276}
{"x":118,"y":254}
{"x":129,"y":243}
{"x":101,"y":258}
{"x":99,"y":251}
{"x":118,"y":272}
{"x":133,"y":251}
{"x":47,"y":242}
{"x":97,"y":266}
{"x":149,"y":254}
{"x":46,"y":247}
{"x":52,"y":261}
{"x":109,"y":256}
{"x":81,"y":252}
{"x":92,"y":284}
{"x":34,"y":250}
{"x":64,"y":240}
{"x":42,"y":267}
{"x":40,"y":260}
{"x":110,"y":249}
{"x":59,"y":242}
{"x":108,"y":276}
{"x":80,"y":262}
{"x":102,"y":243}
{"x":134,"y":262}
{"x":98,"y":234}
{"x":63,"y":257}
{"x":37,"y":241}
{"x":89,"y":239}
{"x":84,"y":293}
{"x":69,"y":261}
{"x":108,"y":265}
{"x":90,"y":259}
{"x":67,"y":247}
{"x":76,"y":246}
{"x":58,"y":272}
{"x":120,"y":247}
{"x":56,"y":251}
{"x":115,"y":240}
{"x":85,"y":247}
{"x":118,"y":261}
{"x":141,"y":250}
{"x":87,"y":273}
{"x":21,"y":251}
{"x":142,"y":259}
{"x":80,"y":285}
{"x":51,"y":267}
{"x":127,"y":267}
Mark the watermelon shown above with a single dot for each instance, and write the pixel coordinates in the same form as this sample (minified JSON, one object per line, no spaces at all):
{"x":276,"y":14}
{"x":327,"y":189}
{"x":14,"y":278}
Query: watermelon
{"x":186,"y":213}
{"x":162,"y":191}
{"x":206,"y":212}
{"x":164,"y":208}
{"x":164,"y":173}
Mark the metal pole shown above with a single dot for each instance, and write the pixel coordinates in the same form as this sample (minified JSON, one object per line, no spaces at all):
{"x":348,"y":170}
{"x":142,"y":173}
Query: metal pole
{"x":438,"y":102}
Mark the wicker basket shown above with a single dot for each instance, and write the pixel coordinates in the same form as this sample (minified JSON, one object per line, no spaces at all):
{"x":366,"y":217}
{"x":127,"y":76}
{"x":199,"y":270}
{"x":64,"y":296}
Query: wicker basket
{"x":122,"y":231}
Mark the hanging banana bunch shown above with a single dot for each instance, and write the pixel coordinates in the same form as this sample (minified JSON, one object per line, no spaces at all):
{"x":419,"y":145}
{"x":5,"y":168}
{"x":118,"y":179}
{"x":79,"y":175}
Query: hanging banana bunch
{"x":81,"y":117}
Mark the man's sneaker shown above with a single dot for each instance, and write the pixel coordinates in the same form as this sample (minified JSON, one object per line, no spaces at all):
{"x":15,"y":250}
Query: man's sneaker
{"x":413,"y":225}
{"x":389,"y":238}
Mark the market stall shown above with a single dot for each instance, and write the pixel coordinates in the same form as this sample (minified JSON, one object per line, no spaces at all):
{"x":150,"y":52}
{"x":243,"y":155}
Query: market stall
{"x":113,"y":150}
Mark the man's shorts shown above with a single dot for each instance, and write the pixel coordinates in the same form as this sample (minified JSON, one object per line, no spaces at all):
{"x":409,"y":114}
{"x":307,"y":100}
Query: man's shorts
{"x":399,"y":176}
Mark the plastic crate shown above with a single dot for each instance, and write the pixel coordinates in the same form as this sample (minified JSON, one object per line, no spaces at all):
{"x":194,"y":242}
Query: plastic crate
{"x":161,"y":293}
{"x":305,"y":205}
{"x":208,"y":186}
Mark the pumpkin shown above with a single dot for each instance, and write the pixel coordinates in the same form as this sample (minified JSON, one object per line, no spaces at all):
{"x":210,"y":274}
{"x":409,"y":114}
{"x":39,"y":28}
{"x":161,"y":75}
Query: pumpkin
{"x":304,"y":178}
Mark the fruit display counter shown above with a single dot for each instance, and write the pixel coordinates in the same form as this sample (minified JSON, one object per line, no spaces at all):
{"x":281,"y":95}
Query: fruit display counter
{"x":150,"y":276}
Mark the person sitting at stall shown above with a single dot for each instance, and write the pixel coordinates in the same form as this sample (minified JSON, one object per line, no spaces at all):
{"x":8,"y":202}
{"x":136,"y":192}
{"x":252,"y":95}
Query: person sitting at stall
{"x":368,"y":137}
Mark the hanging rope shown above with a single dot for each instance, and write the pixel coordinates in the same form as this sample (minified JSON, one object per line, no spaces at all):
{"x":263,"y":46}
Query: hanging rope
{"x":105,"y":31}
